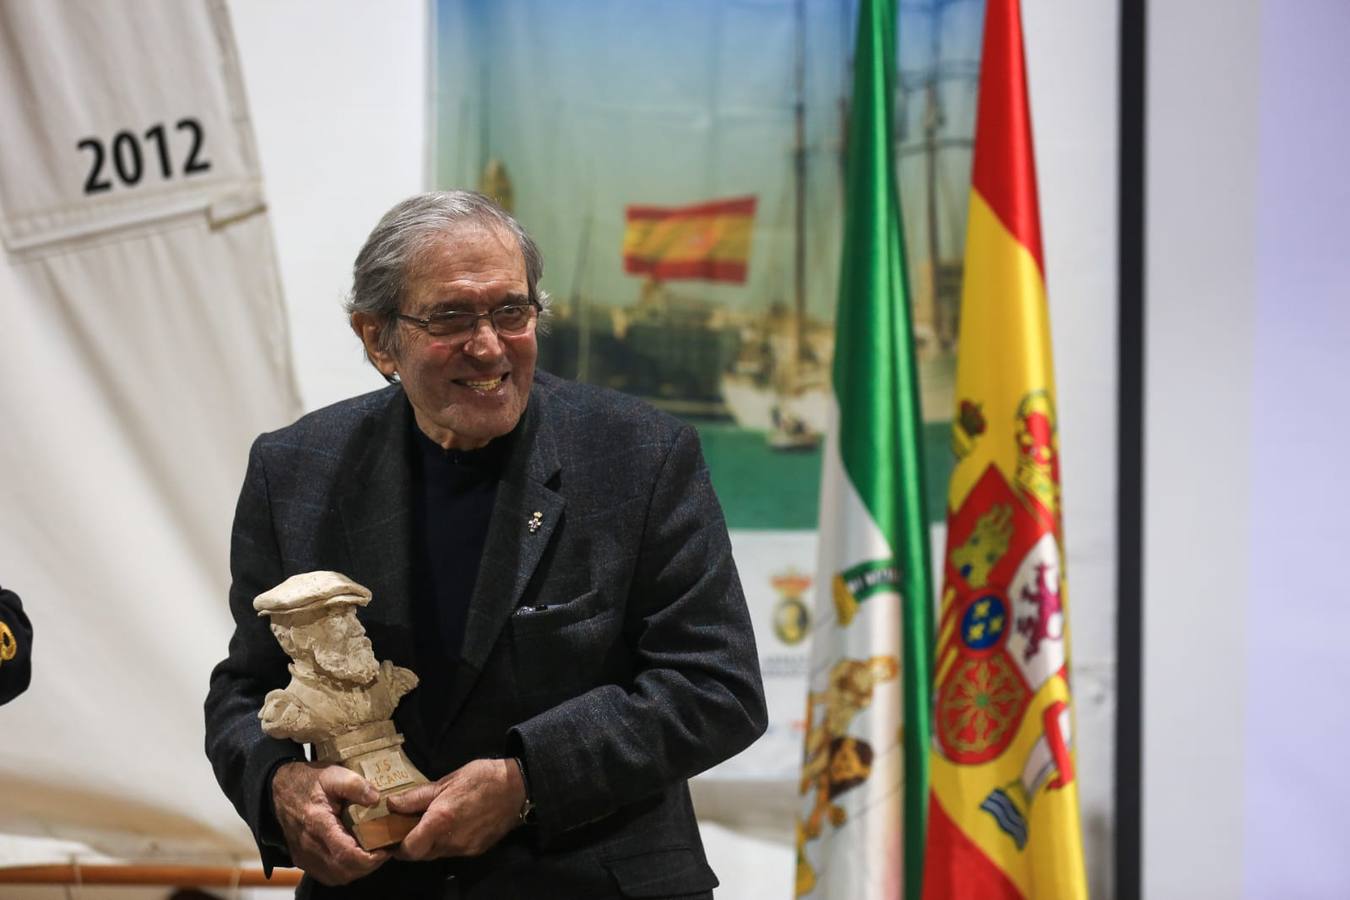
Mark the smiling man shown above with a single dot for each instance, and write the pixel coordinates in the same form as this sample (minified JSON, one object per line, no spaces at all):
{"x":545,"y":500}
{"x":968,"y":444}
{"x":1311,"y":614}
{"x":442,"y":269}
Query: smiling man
{"x":548,"y":557}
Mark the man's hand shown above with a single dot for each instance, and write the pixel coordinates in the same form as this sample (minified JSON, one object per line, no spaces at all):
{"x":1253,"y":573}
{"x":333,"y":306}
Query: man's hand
{"x":308,"y":798}
{"x":465,"y":813}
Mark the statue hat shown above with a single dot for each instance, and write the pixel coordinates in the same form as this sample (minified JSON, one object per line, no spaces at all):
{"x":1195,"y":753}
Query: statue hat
{"x":311,"y":591}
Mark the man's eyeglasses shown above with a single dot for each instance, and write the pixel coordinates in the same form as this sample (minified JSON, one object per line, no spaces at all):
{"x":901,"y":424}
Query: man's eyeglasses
{"x":509,"y":320}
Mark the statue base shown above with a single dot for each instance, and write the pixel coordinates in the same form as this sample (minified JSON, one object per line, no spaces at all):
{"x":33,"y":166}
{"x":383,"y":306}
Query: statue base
{"x":375,"y":752}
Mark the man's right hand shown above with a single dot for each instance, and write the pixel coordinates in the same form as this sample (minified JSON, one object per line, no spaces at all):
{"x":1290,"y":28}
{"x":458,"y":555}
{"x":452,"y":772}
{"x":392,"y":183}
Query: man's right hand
{"x":308,"y":798}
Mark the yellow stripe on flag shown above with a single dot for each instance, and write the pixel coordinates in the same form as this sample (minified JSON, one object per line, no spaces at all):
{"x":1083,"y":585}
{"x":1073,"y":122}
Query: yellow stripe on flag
{"x":1005,"y":342}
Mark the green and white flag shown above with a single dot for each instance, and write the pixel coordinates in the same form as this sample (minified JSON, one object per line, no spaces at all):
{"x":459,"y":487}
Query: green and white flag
{"x":864,"y":784}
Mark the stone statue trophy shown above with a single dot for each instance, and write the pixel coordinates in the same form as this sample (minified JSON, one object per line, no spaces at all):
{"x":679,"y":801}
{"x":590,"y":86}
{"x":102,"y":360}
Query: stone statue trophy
{"x":340,"y":698}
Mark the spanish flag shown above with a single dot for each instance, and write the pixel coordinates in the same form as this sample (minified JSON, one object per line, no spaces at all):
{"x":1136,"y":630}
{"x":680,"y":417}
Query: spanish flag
{"x":708,"y":241}
{"x":1003,"y":821}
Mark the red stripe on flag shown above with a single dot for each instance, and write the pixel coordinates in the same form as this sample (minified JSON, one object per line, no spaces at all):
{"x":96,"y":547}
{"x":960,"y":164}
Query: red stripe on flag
{"x":708,"y":269}
{"x":1005,"y":163}
{"x":738,"y":206}
{"x":1059,"y":747}
{"x":955,"y":868}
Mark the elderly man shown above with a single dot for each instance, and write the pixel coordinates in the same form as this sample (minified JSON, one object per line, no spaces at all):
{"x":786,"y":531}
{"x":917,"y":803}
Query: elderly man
{"x":548,"y":557}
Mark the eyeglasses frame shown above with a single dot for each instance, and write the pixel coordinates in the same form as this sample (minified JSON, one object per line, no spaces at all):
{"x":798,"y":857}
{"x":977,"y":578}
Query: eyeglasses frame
{"x":426,"y":323}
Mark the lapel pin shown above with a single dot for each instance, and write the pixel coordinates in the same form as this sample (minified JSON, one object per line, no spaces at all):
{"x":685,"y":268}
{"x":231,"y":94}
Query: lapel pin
{"x":535,"y":521}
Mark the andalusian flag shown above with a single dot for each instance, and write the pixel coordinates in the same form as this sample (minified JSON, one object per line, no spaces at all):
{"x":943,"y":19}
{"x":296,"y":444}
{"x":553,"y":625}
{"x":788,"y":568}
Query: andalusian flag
{"x":864,"y":791}
{"x":1004,"y":816}
{"x":708,"y":241}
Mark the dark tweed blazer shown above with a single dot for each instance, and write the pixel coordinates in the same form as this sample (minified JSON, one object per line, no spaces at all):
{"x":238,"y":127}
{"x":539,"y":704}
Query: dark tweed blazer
{"x":610,"y":647}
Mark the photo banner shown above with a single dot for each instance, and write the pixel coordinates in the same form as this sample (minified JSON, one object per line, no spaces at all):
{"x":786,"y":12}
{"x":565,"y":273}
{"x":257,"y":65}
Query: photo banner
{"x":681,"y":166}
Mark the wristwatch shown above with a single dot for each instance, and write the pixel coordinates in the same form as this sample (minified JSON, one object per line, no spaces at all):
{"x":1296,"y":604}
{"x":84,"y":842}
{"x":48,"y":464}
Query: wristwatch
{"x":526,"y":813}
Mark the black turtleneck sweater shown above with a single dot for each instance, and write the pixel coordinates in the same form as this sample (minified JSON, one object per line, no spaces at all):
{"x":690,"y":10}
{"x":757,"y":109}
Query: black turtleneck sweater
{"x":453,"y":493}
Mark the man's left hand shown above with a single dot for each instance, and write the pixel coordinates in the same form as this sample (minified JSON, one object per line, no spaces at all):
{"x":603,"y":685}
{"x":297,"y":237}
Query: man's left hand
{"x":463,"y":814}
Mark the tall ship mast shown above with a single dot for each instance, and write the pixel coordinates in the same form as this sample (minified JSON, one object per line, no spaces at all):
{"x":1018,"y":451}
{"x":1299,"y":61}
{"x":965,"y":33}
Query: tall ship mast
{"x":778,"y":385}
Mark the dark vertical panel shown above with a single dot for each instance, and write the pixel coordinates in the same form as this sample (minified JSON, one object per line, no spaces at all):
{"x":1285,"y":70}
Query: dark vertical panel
{"x":1130,"y":505}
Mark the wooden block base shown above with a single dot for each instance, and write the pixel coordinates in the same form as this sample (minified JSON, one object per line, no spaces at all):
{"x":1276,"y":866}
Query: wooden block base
{"x":375,"y":753}
{"x":372,"y":834}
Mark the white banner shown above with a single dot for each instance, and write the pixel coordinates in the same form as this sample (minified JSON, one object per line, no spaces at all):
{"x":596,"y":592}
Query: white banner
{"x":146,"y":347}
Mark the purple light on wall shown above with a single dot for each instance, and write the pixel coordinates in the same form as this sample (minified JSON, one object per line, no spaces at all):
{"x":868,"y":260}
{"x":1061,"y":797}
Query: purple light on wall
{"x":1297,"y":790}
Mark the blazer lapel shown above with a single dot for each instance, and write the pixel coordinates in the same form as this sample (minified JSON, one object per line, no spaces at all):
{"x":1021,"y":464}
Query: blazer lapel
{"x":376,"y":509}
{"x":377,"y":512}
{"x":524,"y":516}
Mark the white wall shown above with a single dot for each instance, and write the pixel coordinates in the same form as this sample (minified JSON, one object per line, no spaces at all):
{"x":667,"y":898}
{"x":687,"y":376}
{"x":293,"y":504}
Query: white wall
{"x":1200,"y":249}
{"x":1245,"y":487}
{"x":338,"y":94}
{"x":1072,"y":52}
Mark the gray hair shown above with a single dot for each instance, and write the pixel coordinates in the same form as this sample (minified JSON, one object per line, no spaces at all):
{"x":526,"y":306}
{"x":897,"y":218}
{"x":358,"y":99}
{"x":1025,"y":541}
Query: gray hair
{"x":380,"y":274}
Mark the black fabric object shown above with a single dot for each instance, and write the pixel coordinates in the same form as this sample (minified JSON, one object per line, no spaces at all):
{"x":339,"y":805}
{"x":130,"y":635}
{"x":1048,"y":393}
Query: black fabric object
{"x":16,"y":643}
{"x":453,"y":493}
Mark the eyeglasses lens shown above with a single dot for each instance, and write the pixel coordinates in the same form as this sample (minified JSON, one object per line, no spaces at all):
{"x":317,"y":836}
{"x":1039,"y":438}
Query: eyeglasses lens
{"x":512,"y":319}
{"x":508,"y":320}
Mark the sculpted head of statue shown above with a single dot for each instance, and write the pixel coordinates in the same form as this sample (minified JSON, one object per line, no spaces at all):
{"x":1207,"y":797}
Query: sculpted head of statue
{"x":313,"y":616}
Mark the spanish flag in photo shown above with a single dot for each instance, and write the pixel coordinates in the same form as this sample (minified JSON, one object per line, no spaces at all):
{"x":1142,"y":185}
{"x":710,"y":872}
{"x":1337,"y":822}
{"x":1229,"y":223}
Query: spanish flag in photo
{"x":708,"y":241}
{"x":1003,"y":820}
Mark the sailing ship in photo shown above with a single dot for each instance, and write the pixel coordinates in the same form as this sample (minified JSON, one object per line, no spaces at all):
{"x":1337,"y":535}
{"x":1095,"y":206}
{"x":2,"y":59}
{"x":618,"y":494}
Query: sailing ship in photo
{"x":779,"y":381}
{"x":686,"y":187}
{"x":766,"y":369}
{"x":773,"y":379}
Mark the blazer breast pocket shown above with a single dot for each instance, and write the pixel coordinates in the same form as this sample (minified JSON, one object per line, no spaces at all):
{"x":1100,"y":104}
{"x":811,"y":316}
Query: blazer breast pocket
{"x":563,"y":649}
{"x":527,"y":620}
